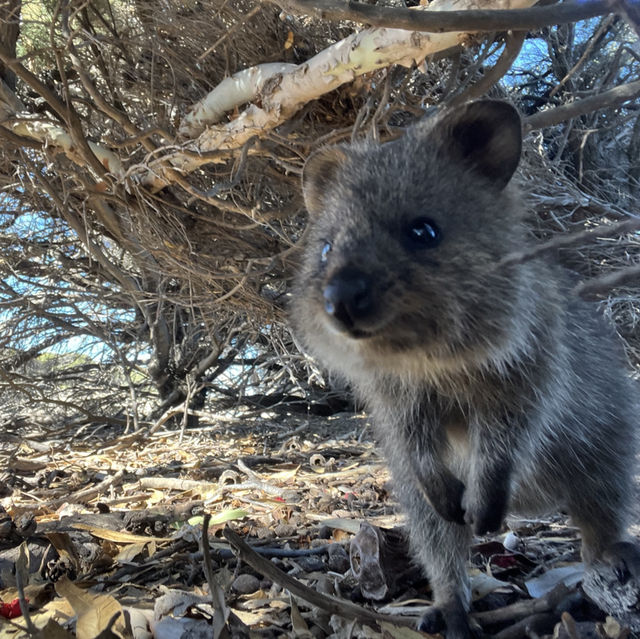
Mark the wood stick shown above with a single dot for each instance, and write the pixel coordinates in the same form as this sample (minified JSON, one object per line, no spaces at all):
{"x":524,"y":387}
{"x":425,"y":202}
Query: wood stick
{"x":330,"y":604}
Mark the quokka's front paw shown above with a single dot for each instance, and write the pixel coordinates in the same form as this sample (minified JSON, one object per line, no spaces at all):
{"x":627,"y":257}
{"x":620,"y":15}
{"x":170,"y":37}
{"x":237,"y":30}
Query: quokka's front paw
{"x":485,"y":515}
{"x":452,"y":622}
{"x":624,"y":558}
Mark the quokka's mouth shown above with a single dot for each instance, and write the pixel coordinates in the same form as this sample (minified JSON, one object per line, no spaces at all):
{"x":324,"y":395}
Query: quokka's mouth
{"x":357,"y":333}
{"x":350,"y":332}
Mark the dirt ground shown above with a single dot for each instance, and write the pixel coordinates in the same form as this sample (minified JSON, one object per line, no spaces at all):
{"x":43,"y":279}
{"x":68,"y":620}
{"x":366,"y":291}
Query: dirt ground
{"x":101,"y":532}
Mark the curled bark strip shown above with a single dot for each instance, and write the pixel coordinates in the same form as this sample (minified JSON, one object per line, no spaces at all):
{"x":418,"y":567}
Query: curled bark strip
{"x":241,"y":87}
{"x":285,"y":91}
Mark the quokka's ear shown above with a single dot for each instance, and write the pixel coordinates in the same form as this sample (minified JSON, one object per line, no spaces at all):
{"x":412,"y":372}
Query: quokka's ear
{"x":486,"y":135}
{"x":319,"y":175}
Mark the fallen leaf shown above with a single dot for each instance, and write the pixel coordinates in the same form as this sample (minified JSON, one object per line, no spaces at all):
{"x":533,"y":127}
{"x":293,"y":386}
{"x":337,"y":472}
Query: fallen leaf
{"x":139,"y":620}
{"x":117,"y":536}
{"x":289,"y":41}
{"x":10,"y":610}
{"x":299,"y":625}
{"x":171,"y":628}
{"x":52,"y":630}
{"x":284,"y":475}
{"x":568,"y":575}
{"x":65,"y":547}
{"x":220,"y":518}
{"x":398,"y":632}
{"x":482,"y":584}
{"x":130,"y":552}
{"x":95,"y":612}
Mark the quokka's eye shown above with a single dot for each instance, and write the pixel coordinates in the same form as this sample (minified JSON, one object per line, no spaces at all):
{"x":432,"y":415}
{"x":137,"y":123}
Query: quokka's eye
{"x":423,"y":233}
{"x":326,"y":248}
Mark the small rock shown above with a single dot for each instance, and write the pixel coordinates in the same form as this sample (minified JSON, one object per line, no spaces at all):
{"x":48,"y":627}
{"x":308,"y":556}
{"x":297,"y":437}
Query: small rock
{"x":513,"y":543}
{"x":311,"y":564}
{"x":338,"y":559}
{"x":325,"y":585}
{"x":325,"y":532}
{"x":246,"y":584}
{"x":318,"y":632}
{"x":263,"y":532}
{"x":7,"y":527}
{"x":285,"y":530}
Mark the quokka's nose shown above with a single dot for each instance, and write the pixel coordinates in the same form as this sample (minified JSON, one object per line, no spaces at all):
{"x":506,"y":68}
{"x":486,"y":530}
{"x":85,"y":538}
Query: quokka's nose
{"x":348,"y":296}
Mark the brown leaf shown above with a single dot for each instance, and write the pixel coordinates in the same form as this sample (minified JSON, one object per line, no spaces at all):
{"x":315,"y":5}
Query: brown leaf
{"x":95,"y":612}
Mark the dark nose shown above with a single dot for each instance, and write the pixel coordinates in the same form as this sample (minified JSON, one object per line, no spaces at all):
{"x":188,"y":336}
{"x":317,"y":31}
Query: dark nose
{"x":348,"y":296}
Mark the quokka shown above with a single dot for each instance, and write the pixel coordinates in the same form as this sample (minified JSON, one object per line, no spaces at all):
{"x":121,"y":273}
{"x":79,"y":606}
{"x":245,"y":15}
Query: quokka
{"x":492,"y":388}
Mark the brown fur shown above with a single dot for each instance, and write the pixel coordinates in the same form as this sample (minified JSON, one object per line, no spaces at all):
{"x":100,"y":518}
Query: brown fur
{"x":491,"y":388}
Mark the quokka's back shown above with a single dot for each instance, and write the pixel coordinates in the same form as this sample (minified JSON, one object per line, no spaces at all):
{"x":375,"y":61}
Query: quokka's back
{"x":492,"y":388}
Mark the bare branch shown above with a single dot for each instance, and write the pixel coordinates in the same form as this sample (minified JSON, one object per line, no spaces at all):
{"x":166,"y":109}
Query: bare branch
{"x":606,"y":23}
{"x":612,"y":97}
{"x":631,"y":12}
{"x":565,"y":240}
{"x":283,"y":94}
{"x":470,"y":21}
{"x":65,"y":112}
{"x":512,"y":48}
{"x":602,"y":285}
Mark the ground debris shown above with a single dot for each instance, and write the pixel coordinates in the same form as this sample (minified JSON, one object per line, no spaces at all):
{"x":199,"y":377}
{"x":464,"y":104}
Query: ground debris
{"x":114,"y":543}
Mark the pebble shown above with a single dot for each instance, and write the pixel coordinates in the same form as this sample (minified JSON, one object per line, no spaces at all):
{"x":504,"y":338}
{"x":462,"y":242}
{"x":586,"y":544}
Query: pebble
{"x":324,"y":532}
{"x":285,"y":530}
{"x":246,"y":584}
{"x":512,"y":542}
{"x":338,"y":559}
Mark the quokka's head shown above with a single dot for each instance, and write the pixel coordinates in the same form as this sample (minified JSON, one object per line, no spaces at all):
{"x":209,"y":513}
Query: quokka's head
{"x":405,"y":238}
